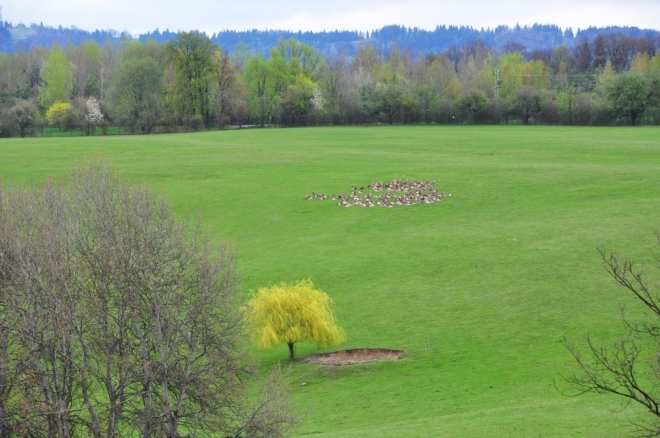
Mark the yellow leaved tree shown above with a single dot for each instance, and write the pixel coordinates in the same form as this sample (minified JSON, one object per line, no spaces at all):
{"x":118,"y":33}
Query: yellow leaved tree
{"x":290,"y":313}
{"x":58,"y":114}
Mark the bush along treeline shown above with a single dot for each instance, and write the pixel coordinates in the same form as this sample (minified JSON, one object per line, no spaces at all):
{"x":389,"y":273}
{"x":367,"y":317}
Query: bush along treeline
{"x":190,"y":83}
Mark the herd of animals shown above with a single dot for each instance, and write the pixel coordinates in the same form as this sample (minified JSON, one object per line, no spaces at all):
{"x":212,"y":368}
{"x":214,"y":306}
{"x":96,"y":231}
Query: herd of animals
{"x":389,"y":194}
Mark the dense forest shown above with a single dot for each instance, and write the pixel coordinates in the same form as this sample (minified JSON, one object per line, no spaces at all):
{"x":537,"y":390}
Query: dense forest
{"x":170,"y":82}
{"x":25,"y":38}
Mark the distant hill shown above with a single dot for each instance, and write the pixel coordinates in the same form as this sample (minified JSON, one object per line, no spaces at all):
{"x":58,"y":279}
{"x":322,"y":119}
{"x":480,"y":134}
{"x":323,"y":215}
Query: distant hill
{"x":13,"y":38}
{"x":417,"y":40}
{"x":26,"y":38}
{"x":6,"y":42}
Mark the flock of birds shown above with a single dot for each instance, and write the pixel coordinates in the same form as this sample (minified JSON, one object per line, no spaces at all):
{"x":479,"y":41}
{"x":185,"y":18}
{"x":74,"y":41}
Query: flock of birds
{"x":398,"y":192}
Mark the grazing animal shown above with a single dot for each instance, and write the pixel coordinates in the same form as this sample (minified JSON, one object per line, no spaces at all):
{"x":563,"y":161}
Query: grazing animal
{"x":397,"y":192}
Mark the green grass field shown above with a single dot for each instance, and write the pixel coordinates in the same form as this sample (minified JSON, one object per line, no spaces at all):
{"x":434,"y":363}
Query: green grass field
{"x":21,"y":33}
{"x":479,"y":290}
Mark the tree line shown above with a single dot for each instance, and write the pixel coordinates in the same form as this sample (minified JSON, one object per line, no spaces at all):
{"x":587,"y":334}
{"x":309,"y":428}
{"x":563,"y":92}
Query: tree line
{"x":330,"y":43}
{"x":191,"y":83}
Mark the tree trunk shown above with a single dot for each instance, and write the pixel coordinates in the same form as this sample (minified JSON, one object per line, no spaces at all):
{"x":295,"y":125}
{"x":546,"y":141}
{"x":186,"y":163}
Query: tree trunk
{"x":290,"y":344}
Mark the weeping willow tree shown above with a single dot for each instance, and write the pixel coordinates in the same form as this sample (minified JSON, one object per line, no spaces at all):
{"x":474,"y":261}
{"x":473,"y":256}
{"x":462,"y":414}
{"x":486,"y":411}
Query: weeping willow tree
{"x":290,"y":313}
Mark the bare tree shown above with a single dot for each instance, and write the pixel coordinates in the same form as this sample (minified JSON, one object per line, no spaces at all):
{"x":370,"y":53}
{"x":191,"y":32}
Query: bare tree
{"x":582,"y":53}
{"x":477,"y":48}
{"x":455,"y":54}
{"x":41,"y":292}
{"x":622,"y":369}
{"x":335,"y":84}
{"x":647,"y":45}
{"x":269,"y":414}
{"x":16,"y":419}
{"x":366,"y":61}
{"x":514,"y":47}
{"x":116,"y":315}
{"x":544,"y":55}
{"x":621,"y":49}
{"x":525,"y":102}
{"x":225,"y":75}
{"x":599,"y":58}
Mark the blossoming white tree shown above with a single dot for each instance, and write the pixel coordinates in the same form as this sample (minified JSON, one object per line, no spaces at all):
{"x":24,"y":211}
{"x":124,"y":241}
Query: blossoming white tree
{"x":94,"y":114}
{"x":318,"y":101}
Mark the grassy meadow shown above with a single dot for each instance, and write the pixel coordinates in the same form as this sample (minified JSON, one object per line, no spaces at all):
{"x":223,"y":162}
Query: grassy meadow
{"x":21,"y":33}
{"x":478,"y":290}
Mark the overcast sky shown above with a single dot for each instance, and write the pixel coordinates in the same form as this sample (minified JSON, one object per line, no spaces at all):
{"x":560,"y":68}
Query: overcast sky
{"x":139,"y":16}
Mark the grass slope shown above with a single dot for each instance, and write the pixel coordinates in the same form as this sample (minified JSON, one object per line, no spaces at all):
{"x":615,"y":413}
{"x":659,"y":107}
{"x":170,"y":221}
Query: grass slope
{"x":479,"y":290}
{"x":21,"y":33}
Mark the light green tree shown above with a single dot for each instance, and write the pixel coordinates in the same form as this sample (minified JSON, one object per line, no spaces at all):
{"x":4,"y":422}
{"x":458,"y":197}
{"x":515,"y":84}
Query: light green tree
{"x":290,"y":313}
{"x":387,"y":99}
{"x":297,"y":101}
{"x":136,"y":92}
{"x":473,"y":106}
{"x":85,"y":61}
{"x":628,"y":96}
{"x":24,"y":115}
{"x":515,"y":72}
{"x":566,"y":99}
{"x":241,"y":55}
{"x":301,"y":58}
{"x":192,"y":54}
{"x":93,"y":58}
{"x":260,"y":80}
{"x":525,"y":102}
{"x":426,"y":100}
{"x":57,"y":79}
{"x":58,"y":114}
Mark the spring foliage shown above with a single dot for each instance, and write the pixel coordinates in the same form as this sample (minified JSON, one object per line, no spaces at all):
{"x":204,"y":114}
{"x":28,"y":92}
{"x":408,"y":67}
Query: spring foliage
{"x":94,"y":114}
{"x":57,"y":113}
{"x":290,"y":313}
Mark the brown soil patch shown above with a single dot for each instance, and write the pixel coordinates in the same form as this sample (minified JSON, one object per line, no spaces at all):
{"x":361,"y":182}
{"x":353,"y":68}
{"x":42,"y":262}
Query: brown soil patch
{"x":357,"y":355}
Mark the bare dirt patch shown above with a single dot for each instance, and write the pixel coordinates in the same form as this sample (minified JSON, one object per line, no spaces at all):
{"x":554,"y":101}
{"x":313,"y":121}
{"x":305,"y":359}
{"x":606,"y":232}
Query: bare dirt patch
{"x":357,"y":355}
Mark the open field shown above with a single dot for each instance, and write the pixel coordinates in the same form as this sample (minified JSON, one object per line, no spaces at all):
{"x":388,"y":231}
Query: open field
{"x":22,"y":33}
{"x":479,"y":290}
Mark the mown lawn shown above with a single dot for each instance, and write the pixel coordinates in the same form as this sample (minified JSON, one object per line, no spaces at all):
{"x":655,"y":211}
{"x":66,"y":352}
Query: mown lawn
{"x":479,"y":290}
